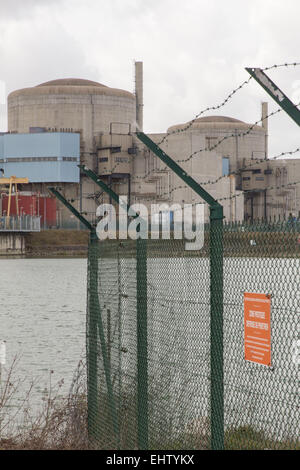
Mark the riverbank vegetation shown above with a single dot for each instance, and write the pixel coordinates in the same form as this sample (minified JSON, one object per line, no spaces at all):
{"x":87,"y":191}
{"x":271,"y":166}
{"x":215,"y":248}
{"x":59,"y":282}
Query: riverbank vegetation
{"x":59,"y":424}
{"x":47,"y":243}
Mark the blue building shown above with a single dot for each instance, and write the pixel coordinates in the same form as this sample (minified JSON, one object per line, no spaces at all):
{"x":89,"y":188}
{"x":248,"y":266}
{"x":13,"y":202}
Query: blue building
{"x":46,"y":157}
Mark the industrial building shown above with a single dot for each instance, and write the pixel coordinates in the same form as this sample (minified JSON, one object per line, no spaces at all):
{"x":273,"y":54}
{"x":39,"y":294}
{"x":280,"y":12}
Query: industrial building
{"x":54,"y":126}
{"x":98,"y":119}
{"x":270,"y":190}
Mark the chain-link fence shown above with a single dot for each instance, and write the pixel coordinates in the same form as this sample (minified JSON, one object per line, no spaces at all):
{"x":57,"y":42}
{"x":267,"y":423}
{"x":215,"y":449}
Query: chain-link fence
{"x":149,"y":342}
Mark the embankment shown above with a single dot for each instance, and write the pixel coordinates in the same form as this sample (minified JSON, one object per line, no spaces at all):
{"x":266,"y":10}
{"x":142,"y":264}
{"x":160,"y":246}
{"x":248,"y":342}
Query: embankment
{"x":74,"y":243}
{"x":50,"y":243}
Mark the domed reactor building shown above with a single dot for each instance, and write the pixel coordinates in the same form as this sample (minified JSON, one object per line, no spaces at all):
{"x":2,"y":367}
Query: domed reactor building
{"x":54,"y":126}
{"x":215,"y":150}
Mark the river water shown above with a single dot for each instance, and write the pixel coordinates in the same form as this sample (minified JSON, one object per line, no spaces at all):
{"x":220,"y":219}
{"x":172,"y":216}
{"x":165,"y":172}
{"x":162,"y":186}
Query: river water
{"x":266,"y":398}
{"x":42,"y":320}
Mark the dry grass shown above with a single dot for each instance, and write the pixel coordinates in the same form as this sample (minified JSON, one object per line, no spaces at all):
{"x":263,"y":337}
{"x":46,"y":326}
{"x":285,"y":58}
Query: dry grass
{"x":54,"y":243}
{"x":61,"y":424}
{"x":57,"y":238}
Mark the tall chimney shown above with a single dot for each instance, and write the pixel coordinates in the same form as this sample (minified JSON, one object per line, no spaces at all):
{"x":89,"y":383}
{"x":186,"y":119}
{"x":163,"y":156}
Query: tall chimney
{"x":264,"y":123}
{"x":139,"y":94}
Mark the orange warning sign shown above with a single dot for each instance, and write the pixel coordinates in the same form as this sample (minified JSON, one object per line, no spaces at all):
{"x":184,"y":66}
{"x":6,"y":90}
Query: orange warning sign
{"x":257,"y":328}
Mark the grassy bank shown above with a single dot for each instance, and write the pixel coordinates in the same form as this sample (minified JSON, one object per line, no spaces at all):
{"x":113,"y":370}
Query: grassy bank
{"x":235,"y":244}
{"x":74,"y":243}
{"x":57,"y":243}
{"x":61,"y":424}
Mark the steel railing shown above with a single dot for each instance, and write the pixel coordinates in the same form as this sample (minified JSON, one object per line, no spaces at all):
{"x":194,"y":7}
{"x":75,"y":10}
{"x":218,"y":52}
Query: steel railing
{"x":24,"y":223}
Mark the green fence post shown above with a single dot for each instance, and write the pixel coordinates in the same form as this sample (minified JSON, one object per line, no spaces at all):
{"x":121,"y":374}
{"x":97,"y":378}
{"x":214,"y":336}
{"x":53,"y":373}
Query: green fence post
{"x":92,"y":392}
{"x":216,"y":327}
{"x":94,"y":323}
{"x":216,"y":292}
{"x":269,"y":86}
{"x":142,"y":338}
{"x":96,"y":311}
{"x":142,"y":344}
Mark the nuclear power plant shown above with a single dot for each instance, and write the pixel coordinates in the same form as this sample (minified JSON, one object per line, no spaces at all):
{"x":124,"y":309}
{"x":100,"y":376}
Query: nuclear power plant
{"x":55,"y":126}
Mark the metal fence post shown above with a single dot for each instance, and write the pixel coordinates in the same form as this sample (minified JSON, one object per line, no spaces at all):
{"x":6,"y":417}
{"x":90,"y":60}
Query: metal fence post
{"x":142,"y":333}
{"x":216,"y":292}
{"x":142,"y":344}
{"x":94,"y":324}
{"x":216,"y":327}
{"x":92,"y":385}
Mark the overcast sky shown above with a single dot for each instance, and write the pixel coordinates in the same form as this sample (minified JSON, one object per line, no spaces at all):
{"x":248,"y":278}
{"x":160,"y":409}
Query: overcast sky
{"x":194,"y":53}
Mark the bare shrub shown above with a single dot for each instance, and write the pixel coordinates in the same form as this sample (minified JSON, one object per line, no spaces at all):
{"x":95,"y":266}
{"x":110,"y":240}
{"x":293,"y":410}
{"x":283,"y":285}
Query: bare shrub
{"x":60,"y":424}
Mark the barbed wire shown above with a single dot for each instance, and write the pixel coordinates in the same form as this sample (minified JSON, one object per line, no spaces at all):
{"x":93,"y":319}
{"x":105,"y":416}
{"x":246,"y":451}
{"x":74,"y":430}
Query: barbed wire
{"x":234,"y":173}
{"x":211,"y":148}
{"x":241,"y":193}
{"x":211,"y":108}
{"x":294,"y":183}
{"x":214,"y":108}
{"x":276,"y":66}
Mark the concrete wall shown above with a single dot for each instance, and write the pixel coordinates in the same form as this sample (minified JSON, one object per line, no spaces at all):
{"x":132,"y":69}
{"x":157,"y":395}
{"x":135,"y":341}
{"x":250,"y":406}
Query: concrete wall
{"x":105,"y":115}
{"x":270,"y":187}
{"x":79,"y":105}
{"x":12,"y":244}
{"x":89,"y":108}
{"x":154,"y":183}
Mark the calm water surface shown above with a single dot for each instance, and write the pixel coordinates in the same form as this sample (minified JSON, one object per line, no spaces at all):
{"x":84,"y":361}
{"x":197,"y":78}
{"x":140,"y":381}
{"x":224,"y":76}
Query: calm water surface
{"x":42,"y":318}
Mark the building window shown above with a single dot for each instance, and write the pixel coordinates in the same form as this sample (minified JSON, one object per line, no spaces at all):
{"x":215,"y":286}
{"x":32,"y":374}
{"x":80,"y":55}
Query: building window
{"x":225,"y":166}
{"x":103,"y":159}
{"x":115,"y":149}
{"x":246,"y":178}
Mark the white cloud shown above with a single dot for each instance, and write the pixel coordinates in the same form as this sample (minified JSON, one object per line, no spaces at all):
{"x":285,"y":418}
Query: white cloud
{"x":194,"y":52}
{"x":2,"y":92}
